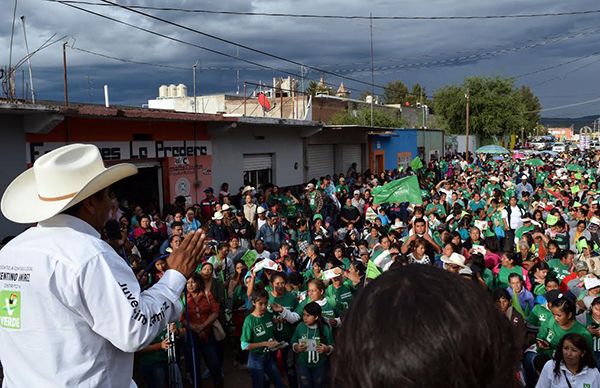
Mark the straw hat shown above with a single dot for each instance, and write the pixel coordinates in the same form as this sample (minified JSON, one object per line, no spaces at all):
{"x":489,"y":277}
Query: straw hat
{"x":59,"y":180}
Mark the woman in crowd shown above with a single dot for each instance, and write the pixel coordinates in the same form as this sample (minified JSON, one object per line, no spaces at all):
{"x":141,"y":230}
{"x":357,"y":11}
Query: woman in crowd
{"x":312,"y":341}
{"x":258,"y":338}
{"x":418,"y":256}
{"x":316,"y":293}
{"x":510,"y":263}
{"x":240,"y":304}
{"x":202,"y":311}
{"x":573,"y":365}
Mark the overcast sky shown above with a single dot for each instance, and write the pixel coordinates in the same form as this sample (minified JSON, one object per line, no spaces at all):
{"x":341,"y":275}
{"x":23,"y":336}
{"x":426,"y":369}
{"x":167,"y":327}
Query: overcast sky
{"x":432,"y":52}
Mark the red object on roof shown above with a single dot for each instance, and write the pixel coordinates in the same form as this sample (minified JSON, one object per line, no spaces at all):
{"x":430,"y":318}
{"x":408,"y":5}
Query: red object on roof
{"x":264,"y":102}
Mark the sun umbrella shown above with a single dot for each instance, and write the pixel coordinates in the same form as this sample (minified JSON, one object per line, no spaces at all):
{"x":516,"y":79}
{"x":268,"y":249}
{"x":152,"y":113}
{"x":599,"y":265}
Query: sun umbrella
{"x":574,"y":167}
{"x":535,"y":162}
{"x":518,"y":155}
{"x":551,"y":153}
{"x":492,"y":149}
{"x":498,"y":158}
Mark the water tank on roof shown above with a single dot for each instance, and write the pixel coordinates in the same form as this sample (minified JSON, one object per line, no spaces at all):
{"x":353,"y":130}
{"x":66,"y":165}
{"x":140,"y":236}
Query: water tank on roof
{"x":172,"y":91}
{"x":163,"y":91}
{"x":181,"y":90}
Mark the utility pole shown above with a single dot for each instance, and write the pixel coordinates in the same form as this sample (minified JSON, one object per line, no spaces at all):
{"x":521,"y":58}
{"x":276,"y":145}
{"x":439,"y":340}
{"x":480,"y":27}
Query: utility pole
{"x":10,"y":69}
{"x":372,"y":69}
{"x":468,"y":97}
{"x":28,"y":61}
{"x":194,"y":85}
{"x":65,"y":73}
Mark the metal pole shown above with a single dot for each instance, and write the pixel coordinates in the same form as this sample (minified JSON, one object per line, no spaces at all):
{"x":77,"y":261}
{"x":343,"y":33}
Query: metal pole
{"x":10,"y":70}
{"x":194,"y":85}
{"x":467,"y":142}
{"x":372,"y":69}
{"x":244,"y":98}
{"x":28,"y":61}
{"x":65,"y":74}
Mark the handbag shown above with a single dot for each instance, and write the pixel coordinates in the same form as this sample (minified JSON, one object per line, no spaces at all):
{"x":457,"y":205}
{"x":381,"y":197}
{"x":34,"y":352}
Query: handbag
{"x":217,"y":328}
{"x":218,"y":331}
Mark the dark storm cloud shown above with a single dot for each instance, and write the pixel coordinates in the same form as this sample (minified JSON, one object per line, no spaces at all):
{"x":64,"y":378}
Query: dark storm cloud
{"x":332,"y":44}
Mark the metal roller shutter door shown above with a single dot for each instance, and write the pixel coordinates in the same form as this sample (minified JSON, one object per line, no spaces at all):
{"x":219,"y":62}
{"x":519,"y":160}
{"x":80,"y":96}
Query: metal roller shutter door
{"x":320,"y":160}
{"x":253,"y":162}
{"x":351,"y":153}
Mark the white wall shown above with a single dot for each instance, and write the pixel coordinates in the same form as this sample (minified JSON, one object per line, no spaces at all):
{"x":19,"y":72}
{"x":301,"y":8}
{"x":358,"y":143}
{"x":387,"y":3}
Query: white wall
{"x":230,"y":145}
{"x":12,"y":160}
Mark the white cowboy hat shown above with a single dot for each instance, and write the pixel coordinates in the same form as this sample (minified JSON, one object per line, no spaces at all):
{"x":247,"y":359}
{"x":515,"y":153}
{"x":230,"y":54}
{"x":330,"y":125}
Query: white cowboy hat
{"x":225,"y":207}
{"x":58,"y":180}
{"x":260,"y":210}
{"x":218,"y":216}
{"x":247,"y":188}
{"x":397,"y":225}
{"x":455,"y":259}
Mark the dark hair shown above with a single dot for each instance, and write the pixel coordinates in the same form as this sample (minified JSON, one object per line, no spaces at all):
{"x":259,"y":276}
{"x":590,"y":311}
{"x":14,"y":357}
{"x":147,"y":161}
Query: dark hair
{"x":314,"y":309}
{"x":259,"y":294}
{"x":482,"y":354}
{"x":419,"y":220}
{"x":513,"y":275}
{"x":514,"y":257}
{"x":296,"y":279}
{"x":579,"y":341}
{"x":565,"y":305}
{"x":198,"y":279}
{"x":500,"y":293}
{"x":551,"y":278}
{"x":278,"y":275}
{"x":175,"y":224}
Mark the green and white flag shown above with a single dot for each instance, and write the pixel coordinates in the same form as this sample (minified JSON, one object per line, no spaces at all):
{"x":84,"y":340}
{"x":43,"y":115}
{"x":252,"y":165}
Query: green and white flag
{"x":400,"y":190}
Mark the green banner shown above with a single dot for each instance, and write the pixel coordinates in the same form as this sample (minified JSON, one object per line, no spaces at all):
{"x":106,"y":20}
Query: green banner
{"x":401,"y":190}
{"x":249,"y":257}
{"x":416,"y":164}
{"x":372,"y":271}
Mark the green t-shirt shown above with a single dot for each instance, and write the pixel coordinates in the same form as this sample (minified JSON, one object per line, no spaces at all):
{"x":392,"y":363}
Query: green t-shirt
{"x":504,"y":273}
{"x":340,"y":298}
{"x":559,"y":269}
{"x":539,"y":315}
{"x":284,"y":330}
{"x":553,"y":333}
{"x":436,"y":209}
{"x":258,"y":329}
{"x":327,"y":309}
{"x":303,"y":333}
{"x":522,"y":230}
{"x":155,"y":357}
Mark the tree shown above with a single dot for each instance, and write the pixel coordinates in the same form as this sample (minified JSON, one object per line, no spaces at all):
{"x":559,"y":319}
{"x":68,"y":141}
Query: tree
{"x":418,"y":95}
{"x":496,"y":107}
{"x":532,"y":108}
{"x":381,"y":118}
{"x":315,"y":88}
{"x":395,"y":92}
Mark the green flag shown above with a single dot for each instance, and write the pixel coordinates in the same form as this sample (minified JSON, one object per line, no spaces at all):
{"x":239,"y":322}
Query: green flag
{"x":249,"y":257}
{"x":400,"y":190}
{"x":516,"y":305}
{"x":416,"y":163}
{"x":372,"y":271}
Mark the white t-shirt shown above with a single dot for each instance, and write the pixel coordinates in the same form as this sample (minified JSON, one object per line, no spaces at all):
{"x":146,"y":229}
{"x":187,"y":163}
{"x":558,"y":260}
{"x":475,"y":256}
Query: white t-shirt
{"x":588,"y":377}
{"x":515,"y":221}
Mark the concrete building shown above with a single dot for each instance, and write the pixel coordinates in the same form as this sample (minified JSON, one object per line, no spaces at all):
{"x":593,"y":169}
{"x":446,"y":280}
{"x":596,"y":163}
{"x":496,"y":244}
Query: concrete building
{"x":176,"y":153}
{"x":391,"y":149}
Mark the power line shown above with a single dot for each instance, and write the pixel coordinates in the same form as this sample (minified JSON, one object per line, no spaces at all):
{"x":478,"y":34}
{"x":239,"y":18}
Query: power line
{"x":347,"y":17}
{"x":184,"y":42}
{"x":278,"y":57}
{"x":124,"y":60}
{"x":565,"y":106}
{"x":567,"y":73}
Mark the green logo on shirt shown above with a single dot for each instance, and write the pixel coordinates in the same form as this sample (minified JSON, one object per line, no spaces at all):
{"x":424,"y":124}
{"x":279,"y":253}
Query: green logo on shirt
{"x":10,"y":309}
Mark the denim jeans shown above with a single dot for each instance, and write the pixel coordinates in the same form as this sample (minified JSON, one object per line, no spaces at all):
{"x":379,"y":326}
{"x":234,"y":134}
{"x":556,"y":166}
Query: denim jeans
{"x":260,"y":364}
{"x":209,"y":352}
{"x":155,"y":375}
{"x":316,"y":377}
{"x":289,"y":364}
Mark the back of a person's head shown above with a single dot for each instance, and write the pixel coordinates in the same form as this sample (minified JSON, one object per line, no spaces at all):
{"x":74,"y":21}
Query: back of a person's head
{"x":420,"y":326}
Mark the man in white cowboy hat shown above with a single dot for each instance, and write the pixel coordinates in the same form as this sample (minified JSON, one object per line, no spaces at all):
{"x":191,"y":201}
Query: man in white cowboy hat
{"x":454,"y":263}
{"x":78,"y":313}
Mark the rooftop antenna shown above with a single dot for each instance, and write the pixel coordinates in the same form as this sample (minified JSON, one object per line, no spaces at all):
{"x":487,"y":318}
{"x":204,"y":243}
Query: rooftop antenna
{"x":237,"y":54}
{"x":28,"y":61}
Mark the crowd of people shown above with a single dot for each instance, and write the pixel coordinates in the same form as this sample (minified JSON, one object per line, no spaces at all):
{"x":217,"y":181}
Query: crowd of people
{"x":281,"y":267}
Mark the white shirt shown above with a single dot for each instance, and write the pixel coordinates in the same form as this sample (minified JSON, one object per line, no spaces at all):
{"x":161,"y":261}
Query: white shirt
{"x":548,"y":379}
{"x":515,"y":221}
{"x":78,"y":313}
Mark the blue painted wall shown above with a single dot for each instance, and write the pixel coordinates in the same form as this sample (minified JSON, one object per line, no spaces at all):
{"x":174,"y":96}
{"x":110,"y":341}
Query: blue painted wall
{"x":403,"y":140}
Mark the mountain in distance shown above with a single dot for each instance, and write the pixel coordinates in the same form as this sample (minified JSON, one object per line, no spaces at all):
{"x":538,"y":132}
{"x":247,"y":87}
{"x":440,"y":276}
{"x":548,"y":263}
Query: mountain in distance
{"x":565,"y":122}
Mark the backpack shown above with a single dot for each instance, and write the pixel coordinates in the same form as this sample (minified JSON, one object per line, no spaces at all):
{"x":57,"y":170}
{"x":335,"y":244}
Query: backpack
{"x":509,"y":211}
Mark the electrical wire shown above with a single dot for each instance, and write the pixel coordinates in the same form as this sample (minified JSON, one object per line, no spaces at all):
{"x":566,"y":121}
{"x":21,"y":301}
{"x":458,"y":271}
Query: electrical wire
{"x":347,"y":17}
{"x":240,"y":45}
{"x":186,"y":43}
{"x":565,"y":106}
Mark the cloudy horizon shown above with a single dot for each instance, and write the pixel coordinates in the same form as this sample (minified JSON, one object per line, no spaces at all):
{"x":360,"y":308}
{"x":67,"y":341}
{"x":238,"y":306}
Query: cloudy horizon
{"x":555,"y":56}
